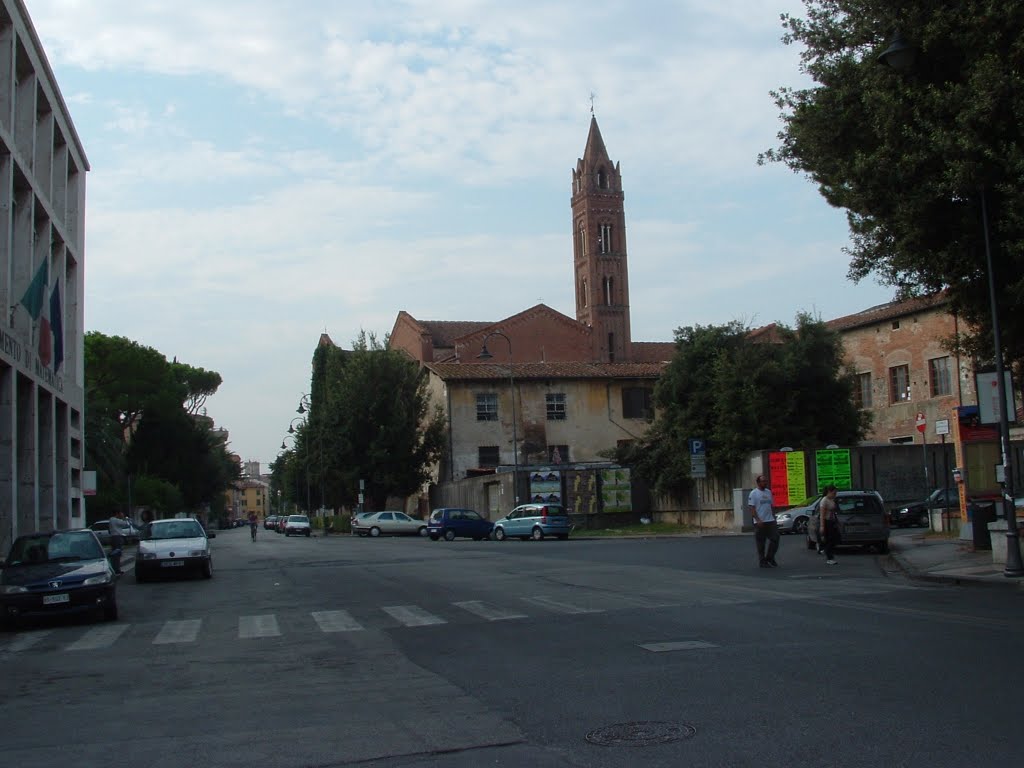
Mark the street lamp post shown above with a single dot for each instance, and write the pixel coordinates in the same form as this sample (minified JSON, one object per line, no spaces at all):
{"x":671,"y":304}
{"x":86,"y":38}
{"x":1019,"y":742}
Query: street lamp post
{"x":291,"y":433}
{"x":485,"y":355}
{"x":306,"y":407}
{"x":900,"y":56}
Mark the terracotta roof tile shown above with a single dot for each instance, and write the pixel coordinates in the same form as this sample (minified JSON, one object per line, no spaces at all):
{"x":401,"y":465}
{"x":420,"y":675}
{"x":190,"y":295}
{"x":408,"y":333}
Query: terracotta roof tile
{"x":890,"y":311}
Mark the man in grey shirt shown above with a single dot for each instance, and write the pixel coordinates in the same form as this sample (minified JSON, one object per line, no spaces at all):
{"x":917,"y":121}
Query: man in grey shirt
{"x":118,"y":527}
{"x":761,"y":503}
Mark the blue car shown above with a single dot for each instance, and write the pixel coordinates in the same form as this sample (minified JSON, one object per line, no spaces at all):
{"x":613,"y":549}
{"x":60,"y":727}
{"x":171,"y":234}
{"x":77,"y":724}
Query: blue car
{"x":449,"y":523}
{"x":56,"y":572}
{"x":534,"y":521}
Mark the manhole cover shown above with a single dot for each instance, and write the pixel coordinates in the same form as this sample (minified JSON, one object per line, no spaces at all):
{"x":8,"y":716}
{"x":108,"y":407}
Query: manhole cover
{"x":640,"y":734}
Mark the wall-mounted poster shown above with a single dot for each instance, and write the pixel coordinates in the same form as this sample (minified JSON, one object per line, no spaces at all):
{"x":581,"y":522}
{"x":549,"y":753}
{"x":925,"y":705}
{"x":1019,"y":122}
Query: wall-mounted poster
{"x":546,"y":486}
{"x":832,"y":467}
{"x":787,"y":477}
{"x":580,"y":492}
{"x":616,"y":490}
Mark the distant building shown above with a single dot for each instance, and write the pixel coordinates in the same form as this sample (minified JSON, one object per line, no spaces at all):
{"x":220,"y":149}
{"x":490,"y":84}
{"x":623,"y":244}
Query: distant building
{"x":42,"y":289}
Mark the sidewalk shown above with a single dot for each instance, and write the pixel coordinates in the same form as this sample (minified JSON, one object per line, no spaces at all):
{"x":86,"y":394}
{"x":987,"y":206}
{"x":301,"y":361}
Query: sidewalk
{"x":949,"y":561}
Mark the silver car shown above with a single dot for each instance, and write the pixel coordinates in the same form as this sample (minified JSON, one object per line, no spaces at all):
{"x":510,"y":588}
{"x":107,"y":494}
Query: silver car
{"x":795,"y":520}
{"x":175,"y":546}
{"x":862,"y":521}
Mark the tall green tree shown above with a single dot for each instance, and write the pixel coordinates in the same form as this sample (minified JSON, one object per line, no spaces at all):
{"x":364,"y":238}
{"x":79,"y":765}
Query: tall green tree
{"x":377,"y":425}
{"x":141,"y":423}
{"x":741,"y":392}
{"x":913,"y":155}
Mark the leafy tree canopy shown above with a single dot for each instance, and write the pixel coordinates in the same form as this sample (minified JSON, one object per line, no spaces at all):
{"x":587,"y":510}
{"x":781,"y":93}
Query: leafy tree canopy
{"x":913,"y":155}
{"x":742,"y":392}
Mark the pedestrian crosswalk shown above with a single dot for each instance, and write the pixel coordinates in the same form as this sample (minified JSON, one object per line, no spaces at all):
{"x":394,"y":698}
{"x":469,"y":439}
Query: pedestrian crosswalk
{"x":252,"y":628}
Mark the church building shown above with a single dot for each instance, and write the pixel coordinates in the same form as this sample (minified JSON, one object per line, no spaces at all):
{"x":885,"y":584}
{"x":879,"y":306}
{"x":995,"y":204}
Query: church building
{"x":541,"y":387}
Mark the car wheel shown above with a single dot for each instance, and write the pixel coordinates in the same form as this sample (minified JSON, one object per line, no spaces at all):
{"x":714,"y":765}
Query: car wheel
{"x":800,"y":525}
{"x":923,"y":521}
{"x":421,"y":531}
{"x":449,"y":535}
{"x":110,"y":610}
{"x":499,"y":534}
{"x":375,"y":532}
{"x":208,"y":568}
{"x":537,"y":534}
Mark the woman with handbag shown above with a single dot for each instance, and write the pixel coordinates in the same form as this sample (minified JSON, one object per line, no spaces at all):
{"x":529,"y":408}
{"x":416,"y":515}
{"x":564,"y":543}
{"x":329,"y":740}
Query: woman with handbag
{"x":828,"y":523}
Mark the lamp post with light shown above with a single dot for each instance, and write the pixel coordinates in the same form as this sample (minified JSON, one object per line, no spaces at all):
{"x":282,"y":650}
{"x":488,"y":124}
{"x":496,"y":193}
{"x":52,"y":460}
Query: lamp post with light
{"x":291,"y":433}
{"x":901,"y":56}
{"x":485,"y":355}
{"x":306,"y":408}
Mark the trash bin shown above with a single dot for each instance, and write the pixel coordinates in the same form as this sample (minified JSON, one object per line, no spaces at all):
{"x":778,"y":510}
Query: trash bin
{"x":982,"y":513}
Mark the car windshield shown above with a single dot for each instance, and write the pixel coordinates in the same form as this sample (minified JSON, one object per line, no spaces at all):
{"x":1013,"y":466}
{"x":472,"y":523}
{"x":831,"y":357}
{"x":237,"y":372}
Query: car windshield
{"x":60,"y":547}
{"x":175,"y":529}
{"x":298,"y":519}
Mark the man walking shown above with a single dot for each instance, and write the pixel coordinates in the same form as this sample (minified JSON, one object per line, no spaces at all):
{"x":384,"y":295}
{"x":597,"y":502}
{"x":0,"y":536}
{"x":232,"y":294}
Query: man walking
{"x":761,"y":506}
{"x":117,"y":526}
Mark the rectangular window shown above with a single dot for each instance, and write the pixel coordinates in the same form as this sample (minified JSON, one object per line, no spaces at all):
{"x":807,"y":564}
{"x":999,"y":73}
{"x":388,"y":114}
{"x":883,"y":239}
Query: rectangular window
{"x":605,"y":238}
{"x":636,"y":403}
{"x":487,"y":406}
{"x":555,"y":406}
{"x":899,"y":384}
{"x":862,"y":393}
{"x":940,"y":376}
{"x":487,"y":456}
{"x":558,"y":454}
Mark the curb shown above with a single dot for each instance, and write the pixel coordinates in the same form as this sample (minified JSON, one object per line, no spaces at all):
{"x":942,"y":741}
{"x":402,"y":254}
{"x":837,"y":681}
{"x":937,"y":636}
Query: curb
{"x":951,"y":580}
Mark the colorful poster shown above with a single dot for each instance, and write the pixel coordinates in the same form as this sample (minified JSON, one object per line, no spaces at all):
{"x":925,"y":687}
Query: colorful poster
{"x":616,"y":490}
{"x":546,"y":486}
{"x":581,"y":492}
{"x":833,"y":467}
{"x":787,"y":477}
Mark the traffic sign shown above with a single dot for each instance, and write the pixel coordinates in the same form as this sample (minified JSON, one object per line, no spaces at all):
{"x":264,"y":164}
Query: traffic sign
{"x":921,"y":422}
{"x":698,"y":457}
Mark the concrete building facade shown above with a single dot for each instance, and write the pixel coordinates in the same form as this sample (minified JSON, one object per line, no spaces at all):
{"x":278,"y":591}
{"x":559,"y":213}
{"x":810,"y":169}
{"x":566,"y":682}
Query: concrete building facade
{"x":42,"y":277}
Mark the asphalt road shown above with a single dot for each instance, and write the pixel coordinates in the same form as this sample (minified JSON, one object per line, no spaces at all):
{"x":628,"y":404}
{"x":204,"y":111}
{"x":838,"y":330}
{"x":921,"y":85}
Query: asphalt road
{"x":406,"y":652}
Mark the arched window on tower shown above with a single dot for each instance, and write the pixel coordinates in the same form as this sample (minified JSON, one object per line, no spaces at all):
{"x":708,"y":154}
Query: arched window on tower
{"x":602,"y":179}
{"x":582,"y":236}
{"x":604,"y":238}
{"x":583,"y":293}
{"x":608,"y":288}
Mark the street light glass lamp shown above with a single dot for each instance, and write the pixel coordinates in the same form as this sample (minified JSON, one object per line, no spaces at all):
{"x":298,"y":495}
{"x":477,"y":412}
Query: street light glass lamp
{"x":900,"y":55}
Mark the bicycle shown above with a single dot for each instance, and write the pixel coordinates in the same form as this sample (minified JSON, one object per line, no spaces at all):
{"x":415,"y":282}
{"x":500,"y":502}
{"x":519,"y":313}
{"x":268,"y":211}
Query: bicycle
{"x":252,"y":530}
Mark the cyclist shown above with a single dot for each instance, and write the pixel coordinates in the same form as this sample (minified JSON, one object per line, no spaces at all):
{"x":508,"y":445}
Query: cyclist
{"x":253,"y":525}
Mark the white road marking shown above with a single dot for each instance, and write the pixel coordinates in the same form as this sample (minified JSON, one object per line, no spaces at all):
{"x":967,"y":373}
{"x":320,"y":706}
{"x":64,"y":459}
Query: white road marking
{"x":99,"y":637}
{"x":560,"y":607}
{"x":258,"y":626}
{"x":682,"y":645}
{"x":26,"y":640}
{"x":412,"y":616}
{"x":489,"y":612}
{"x":336,"y":621}
{"x":184,"y":631}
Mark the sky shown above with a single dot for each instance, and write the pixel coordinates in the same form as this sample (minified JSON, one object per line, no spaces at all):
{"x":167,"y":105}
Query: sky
{"x":264,"y":172}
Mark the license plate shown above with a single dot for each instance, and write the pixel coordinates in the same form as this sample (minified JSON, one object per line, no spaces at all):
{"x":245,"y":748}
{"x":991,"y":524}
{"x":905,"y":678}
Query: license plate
{"x":172,"y":563}
{"x":54,"y":599}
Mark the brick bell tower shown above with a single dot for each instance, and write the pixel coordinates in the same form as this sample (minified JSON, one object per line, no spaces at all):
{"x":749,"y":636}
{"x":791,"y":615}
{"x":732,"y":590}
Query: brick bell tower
{"x":599,"y":251}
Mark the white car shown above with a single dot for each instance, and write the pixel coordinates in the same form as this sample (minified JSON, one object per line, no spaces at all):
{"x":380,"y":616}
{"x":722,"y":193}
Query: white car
{"x":298,"y":525}
{"x":173,"y":546}
{"x":398,"y":523}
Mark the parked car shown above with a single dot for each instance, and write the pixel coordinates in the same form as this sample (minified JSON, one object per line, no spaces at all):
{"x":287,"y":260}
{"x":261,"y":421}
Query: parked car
{"x":174,"y":546}
{"x":297,"y":525}
{"x":919,"y":512}
{"x":534,"y":521}
{"x":354,"y":522}
{"x":102,"y":531}
{"x":268,"y":522}
{"x":795,"y":520}
{"x":280,"y":523}
{"x":449,"y":523}
{"x":862,"y":521}
{"x":56,"y":572}
{"x":396,"y":523}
